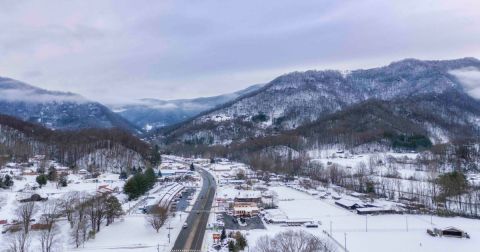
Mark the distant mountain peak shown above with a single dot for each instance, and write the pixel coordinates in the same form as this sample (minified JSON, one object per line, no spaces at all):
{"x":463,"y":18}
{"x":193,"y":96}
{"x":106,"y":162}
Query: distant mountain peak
{"x":17,"y":91}
{"x":54,"y":109}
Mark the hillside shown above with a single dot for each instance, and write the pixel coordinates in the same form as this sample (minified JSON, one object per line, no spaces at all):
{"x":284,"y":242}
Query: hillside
{"x":110,"y":149}
{"x":150,"y":114}
{"x":410,"y":97}
{"x":56,"y":110}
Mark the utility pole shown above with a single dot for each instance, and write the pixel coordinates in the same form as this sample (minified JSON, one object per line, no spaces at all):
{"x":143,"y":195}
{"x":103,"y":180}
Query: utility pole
{"x":406,"y":221}
{"x":168,"y":232}
{"x":366,"y":223}
{"x":345,"y":241}
{"x":330,"y":228}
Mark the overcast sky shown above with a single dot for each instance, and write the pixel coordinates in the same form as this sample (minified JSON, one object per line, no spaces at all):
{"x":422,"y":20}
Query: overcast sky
{"x":114,"y":51}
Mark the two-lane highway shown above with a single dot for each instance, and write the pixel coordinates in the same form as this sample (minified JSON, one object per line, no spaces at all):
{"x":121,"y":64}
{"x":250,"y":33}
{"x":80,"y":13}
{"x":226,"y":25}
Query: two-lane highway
{"x":191,"y":238}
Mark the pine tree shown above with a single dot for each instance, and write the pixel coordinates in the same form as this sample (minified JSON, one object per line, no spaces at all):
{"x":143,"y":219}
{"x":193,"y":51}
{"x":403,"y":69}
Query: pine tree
{"x":123,"y":175}
{"x":113,"y":209}
{"x":52,"y":174}
{"x":223,"y":236}
{"x":62,"y":181}
{"x":41,"y":179}
{"x":150,"y":178}
{"x":131,"y":188}
{"x":192,"y":167}
{"x":156,"y":158}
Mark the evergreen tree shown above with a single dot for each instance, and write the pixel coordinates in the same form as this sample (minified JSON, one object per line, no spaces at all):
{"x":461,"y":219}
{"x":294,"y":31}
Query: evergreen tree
{"x":123,"y":175}
{"x":6,"y":182}
{"x":62,"y":181}
{"x":156,"y":158}
{"x":240,"y":241}
{"x":150,"y":178}
{"x":113,"y":209}
{"x":52,"y":174}
{"x":192,"y":167}
{"x":159,"y":173}
{"x":131,"y":188}
{"x":223,"y":236}
{"x":231,"y":246}
{"x":41,"y":179}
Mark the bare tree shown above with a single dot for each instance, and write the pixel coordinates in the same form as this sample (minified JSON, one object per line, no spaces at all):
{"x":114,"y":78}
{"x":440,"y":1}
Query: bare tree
{"x":48,"y":236}
{"x":69,"y":201}
{"x":24,"y":214}
{"x":79,"y":221}
{"x":18,"y":242}
{"x":292,"y":241}
{"x":157,"y":217}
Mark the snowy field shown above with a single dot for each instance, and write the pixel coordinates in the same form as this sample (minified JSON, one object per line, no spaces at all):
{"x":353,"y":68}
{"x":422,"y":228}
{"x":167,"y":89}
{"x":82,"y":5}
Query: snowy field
{"x":383,"y":232}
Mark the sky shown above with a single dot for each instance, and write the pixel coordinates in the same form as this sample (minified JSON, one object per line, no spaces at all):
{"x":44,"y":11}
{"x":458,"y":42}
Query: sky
{"x":116,"y":51}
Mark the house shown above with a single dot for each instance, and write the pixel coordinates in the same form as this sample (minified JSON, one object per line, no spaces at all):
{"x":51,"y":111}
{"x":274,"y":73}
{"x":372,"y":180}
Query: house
{"x":82,"y":172}
{"x":29,"y":172}
{"x":3,"y":222}
{"x":245,"y":209}
{"x":375,"y":210}
{"x":105,"y":189}
{"x":248,"y":196}
{"x":451,"y":232}
{"x":350,"y":205}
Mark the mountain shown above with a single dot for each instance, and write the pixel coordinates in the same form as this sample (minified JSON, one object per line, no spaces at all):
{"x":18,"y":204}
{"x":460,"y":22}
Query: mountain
{"x":152,"y":113}
{"x":56,"y":110}
{"x":407,"y":98}
{"x":107,"y":149}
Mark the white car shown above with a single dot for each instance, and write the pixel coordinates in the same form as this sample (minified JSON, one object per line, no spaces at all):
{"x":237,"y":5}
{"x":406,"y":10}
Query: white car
{"x":185,"y":225}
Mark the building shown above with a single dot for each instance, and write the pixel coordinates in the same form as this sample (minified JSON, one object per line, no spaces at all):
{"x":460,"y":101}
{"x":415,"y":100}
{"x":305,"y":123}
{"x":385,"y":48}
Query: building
{"x":350,"y":205}
{"x":245,"y":209}
{"x":451,"y":232}
{"x":375,"y":210}
{"x":248,"y":196}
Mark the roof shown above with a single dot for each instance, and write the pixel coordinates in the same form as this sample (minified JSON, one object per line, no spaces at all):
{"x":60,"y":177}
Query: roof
{"x":248,"y":194}
{"x":246,"y":208}
{"x":347,"y":203}
{"x":452,"y":229}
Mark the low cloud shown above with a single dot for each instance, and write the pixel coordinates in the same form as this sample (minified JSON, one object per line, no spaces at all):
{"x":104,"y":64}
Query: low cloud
{"x":35,"y":96}
{"x":470,"y":79}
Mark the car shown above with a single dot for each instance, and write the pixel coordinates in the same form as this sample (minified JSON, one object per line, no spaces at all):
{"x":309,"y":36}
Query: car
{"x":185,"y":225}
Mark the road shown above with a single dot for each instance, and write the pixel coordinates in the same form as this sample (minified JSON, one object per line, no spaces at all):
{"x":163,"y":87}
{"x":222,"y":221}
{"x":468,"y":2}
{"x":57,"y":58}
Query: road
{"x":191,"y":238}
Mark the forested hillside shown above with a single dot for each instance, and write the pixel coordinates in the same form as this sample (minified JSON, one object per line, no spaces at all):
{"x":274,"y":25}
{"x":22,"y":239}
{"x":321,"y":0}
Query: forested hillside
{"x":111,"y":149}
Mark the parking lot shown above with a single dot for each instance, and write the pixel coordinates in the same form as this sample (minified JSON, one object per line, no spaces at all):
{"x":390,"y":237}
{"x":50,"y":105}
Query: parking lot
{"x":183,"y":202}
{"x":251,"y":223}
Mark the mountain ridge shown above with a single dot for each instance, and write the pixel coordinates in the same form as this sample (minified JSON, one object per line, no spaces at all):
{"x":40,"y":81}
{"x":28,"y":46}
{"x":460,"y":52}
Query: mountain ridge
{"x":56,"y":109}
{"x":300,"y":98}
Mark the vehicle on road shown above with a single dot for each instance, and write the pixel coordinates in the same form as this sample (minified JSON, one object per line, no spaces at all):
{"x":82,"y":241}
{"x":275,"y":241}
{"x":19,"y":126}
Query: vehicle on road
{"x":185,"y":225}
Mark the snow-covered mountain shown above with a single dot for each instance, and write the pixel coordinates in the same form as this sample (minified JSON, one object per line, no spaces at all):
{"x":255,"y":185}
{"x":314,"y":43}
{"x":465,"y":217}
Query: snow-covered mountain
{"x":410,"y":90}
{"x":106,"y":149}
{"x":56,"y":110}
{"x":153,"y":113}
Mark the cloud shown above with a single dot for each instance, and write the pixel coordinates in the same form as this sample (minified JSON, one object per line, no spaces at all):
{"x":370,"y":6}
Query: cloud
{"x":470,"y":79}
{"x":30,"y":96}
{"x":117,"y":51}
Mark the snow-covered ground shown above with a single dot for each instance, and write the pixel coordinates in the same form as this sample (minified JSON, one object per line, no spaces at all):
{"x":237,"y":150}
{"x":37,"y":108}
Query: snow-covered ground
{"x":389,"y":232}
{"x":131,"y":231}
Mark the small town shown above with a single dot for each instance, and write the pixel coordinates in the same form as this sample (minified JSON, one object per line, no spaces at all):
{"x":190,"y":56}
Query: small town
{"x":240,"y":207}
